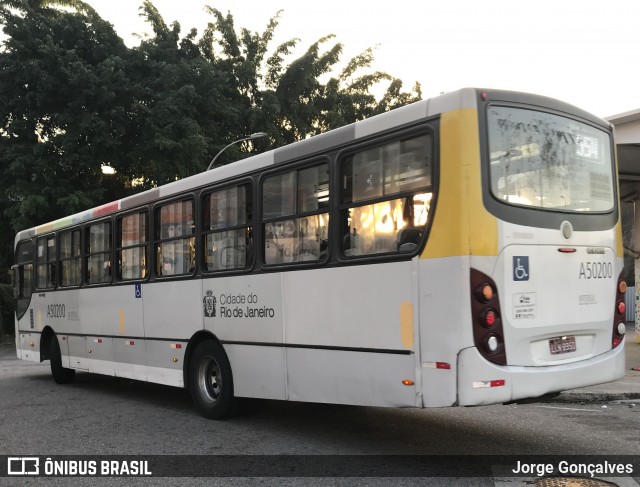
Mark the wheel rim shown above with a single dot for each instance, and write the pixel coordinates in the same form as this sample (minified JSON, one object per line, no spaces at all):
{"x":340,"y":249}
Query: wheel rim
{"x":209,"y":380}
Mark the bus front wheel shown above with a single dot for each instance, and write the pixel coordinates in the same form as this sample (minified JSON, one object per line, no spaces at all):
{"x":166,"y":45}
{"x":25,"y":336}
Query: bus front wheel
{"x":210,"y":381}
{"x":60,"y":374}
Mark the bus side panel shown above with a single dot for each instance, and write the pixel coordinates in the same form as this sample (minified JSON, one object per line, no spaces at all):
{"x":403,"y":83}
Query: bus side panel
{"x":165,"y":362}
{"x":172,"y":313}
{"x":349,"y":332}
{"x":350,"y":306}
{"x":172,"y":309}
{"x":100,"y":353}
{"x":243,"y":309}
{"x":445,"y":321}
{"x":29,"y":345}
{"x":245,"y":314}
{"x":444,"y":326}
{"x":78,"y":352}
{"x":357,"y":378}
{"x":258,"y":371}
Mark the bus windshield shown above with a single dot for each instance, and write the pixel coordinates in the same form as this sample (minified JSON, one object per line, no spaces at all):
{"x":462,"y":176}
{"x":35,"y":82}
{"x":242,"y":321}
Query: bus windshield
{"x":546,"y":161}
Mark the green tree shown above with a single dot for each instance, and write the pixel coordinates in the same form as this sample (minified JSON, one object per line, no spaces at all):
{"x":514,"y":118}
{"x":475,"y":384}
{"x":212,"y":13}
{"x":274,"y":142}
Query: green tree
{"x":288,"y":100}
{"x":66,"y":109}
{"x":73,"y":96}
{"x":186,"y":105}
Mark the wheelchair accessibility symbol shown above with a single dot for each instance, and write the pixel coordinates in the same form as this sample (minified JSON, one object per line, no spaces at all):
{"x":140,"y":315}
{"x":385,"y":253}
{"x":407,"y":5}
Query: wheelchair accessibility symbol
{"x":521,"y":268}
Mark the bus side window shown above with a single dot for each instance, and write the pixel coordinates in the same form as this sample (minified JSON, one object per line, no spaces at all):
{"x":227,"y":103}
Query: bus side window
{"x":228,"y":239}
{"x":98,"y":253}
{"x":133,"y":238}
{"x":385,"y":197}
{"x":296,"y":216}
{"x":70,"y":258}
{"x":175,"y":240}
{"x":46,"y":263}
{"x":23,"y":275}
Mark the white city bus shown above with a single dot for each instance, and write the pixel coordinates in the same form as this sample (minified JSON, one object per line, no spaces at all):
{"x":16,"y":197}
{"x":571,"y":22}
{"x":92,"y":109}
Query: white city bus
{"x":462,"y":250}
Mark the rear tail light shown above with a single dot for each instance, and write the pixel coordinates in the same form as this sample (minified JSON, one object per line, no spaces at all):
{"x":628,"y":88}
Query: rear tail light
{"x":485,"y":293}
{"x":487,"y":324}
{"x":619,"y":313}
{"x":489,"y":318}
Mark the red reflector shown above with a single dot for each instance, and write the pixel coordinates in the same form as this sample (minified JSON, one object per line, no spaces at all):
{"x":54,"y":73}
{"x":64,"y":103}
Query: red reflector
{"x":99,"y":340}
{"x":497,"y":383}
{"x":566,"y":250}
{"x":621,"y":307}
{"x":616,"y":341}
{"x":443,"y":365}
{"x":178,"y":345}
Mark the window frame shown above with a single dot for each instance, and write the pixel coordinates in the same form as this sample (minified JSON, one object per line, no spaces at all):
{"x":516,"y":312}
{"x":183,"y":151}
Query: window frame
{"x":250,"y":224}
{"x":531,"y":216}
{"x":428,"y":127}
{"x":288,"y":167}
{"x":86,"y":255}
{"x":19,"y":267}
{"x":155,"y":227}
{"x":120,"y":248}
{"x":23,"y":298}
{"x":48,"y":261}
{"x":59,"y":235}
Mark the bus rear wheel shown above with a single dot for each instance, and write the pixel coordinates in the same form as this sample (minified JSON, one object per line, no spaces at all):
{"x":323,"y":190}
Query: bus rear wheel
{"x":211,"y":381}
{"x":60,"y":374}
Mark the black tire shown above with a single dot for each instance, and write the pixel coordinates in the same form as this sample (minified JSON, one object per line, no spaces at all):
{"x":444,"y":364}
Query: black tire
{"x":211,"y":381}
{"x":60,"y":374}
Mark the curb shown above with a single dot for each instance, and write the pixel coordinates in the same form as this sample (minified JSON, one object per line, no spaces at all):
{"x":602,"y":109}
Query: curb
{"x":594,"y":397}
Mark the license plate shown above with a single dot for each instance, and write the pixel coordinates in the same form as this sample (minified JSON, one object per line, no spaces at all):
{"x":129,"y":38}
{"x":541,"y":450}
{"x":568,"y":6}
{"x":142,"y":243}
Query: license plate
{"x":562,"y":345}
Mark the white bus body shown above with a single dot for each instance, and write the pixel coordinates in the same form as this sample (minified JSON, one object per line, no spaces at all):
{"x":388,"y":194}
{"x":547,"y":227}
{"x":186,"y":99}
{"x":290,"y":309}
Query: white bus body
{"x":404,"y":325}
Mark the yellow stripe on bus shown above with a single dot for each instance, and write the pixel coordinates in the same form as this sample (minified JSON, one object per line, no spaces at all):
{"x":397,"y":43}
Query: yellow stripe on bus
{"x":406,"y":324}
{"x":461,"y":225}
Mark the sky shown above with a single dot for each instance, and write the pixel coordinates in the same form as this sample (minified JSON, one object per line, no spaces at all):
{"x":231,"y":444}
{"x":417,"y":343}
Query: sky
{"x":584,"y":52}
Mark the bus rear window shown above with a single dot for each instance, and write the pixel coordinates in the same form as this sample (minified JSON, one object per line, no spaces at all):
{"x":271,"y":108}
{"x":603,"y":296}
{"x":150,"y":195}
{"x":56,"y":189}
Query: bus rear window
{"x":546,"y":161}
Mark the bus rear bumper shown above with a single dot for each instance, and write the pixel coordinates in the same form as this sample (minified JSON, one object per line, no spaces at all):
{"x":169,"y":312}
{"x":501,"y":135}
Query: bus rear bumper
{"x":481,"y":382}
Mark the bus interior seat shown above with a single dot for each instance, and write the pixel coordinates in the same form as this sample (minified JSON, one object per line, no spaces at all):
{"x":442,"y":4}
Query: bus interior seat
{"x":307,"y":250}
{"x":409,"y":239}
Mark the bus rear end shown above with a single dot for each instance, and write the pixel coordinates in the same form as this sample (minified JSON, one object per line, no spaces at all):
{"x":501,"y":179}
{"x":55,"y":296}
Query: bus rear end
{"x":547,"y":309}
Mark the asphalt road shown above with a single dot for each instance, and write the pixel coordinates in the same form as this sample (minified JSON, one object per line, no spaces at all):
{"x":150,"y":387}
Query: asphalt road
{"x":98,"y":415}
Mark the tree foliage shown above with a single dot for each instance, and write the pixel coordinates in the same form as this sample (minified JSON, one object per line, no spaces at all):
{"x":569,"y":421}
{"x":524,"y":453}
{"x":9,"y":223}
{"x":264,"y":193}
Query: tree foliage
{"x":73,"y":96}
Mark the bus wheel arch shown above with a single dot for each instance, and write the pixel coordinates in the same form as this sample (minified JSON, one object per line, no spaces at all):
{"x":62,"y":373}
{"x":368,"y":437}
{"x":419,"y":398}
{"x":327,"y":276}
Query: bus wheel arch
{"x":208,"y":376}
{"x":60,"y":374}
{"x":45,"y":343}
